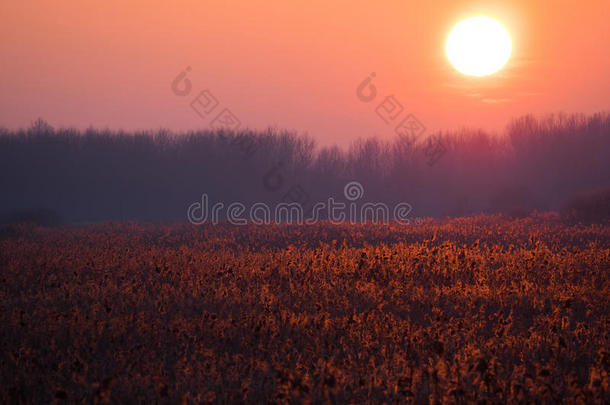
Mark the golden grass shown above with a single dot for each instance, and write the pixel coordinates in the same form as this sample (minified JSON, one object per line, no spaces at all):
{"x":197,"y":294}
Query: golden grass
{"x":457,"y":311}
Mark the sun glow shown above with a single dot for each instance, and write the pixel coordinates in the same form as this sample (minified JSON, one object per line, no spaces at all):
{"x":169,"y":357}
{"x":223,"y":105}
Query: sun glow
{"x":478,"y":46}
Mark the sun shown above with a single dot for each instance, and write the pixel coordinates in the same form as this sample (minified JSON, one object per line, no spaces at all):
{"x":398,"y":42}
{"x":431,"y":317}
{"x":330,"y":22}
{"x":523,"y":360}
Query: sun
{"x":479,"y":46}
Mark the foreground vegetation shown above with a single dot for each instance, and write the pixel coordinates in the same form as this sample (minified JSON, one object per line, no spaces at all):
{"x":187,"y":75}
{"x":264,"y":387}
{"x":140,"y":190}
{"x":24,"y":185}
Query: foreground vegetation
{"x":477,"y":309}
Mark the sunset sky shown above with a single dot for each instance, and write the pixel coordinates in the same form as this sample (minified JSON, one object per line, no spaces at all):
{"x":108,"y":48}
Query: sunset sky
{"x":293,"y":64}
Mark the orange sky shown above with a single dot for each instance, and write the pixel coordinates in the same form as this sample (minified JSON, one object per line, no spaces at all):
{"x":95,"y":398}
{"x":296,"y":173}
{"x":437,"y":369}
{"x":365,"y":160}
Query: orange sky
{"x":292,"y":64}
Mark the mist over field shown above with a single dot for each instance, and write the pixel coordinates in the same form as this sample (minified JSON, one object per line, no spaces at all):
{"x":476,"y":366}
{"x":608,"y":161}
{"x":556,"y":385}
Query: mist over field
{"x":276,"y":202}
{"x":70,"y":176}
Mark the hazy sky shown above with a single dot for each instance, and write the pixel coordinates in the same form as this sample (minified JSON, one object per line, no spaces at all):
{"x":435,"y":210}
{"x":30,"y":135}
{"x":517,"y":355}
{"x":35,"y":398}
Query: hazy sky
{"x":292,"y":64}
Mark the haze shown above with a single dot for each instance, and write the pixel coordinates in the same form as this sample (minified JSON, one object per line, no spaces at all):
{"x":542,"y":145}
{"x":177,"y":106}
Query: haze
{"x":292,"y":65}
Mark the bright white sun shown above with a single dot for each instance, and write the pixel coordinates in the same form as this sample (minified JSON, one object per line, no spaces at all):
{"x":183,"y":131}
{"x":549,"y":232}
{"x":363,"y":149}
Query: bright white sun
{"x":478,"y":46}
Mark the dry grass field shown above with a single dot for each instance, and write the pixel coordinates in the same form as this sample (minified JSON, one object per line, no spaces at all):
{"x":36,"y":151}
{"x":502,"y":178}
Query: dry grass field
{"x":484,"y":309}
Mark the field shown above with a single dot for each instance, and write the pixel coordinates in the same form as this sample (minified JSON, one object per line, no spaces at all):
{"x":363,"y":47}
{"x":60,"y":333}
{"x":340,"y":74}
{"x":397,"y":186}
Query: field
{"x":485,"y":309}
